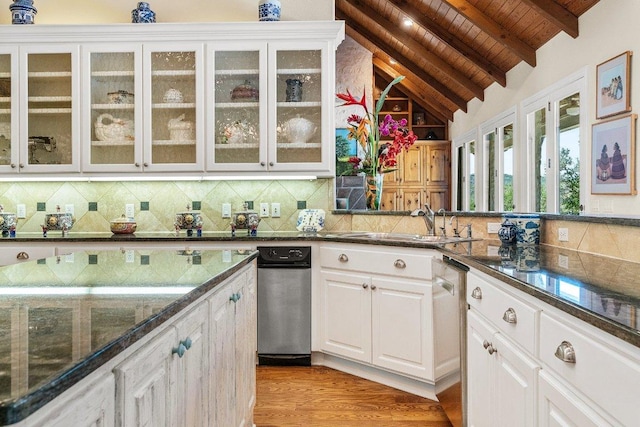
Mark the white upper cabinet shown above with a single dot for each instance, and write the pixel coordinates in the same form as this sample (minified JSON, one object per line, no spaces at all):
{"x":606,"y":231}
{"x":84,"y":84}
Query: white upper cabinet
{"x":201,"y":99}
{"x":39,"y":121}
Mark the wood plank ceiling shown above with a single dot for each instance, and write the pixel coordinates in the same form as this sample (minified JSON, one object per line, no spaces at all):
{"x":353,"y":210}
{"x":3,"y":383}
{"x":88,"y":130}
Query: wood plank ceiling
{"x":455,"y":49}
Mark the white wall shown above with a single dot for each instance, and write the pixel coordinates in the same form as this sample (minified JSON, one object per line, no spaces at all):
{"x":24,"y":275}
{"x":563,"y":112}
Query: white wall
{"x":606,"y":30}
{"x":119,"y":11}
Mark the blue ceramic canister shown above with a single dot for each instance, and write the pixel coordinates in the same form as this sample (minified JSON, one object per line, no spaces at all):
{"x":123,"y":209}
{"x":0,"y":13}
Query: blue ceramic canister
{"x":143,"y":14}
{"x":22,"y":12}
{"x":527,"y":227}
{"x":269,"y":10}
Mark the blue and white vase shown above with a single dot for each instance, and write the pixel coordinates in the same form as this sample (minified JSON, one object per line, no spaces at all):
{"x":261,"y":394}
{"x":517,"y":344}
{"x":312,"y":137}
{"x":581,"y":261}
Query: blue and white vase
{"x":143,"y":14}
{"x":22,"y":12}
{"x":269,"y":10}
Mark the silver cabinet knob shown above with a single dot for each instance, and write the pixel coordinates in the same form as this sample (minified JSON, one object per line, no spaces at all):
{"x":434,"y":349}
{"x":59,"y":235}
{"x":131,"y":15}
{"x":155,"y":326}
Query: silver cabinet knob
{"x":262,"y":163}
{"x":270,"y":163}
{"x":399,"y":264}
{"x":145,"y":164}
{"x":476,"y":293}
{"x":566,"y":352}
{"x":509,"y":316}
{"x":491,"y":349}
{"x":373,"y":287}
{"x":365,"y":286}
{"x":22,"y":255}
{"x":13,"y":165}
{"x":21,"y":165}
{"x":343,"y":258}
{"x":485,"y":344}
{"x":136,"y":164}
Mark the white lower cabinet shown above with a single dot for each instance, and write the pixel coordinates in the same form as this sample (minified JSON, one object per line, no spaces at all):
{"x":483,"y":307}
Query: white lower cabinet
{"x":165,"y":382}
{"x":502,"y":380}
{"x":376,"y":307}
{"x":530,"y":364}
{"x":232,"y":354}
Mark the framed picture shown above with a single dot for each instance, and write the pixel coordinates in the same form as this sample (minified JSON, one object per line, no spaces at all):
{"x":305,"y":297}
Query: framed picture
{"x":613,"y":79}
{"x":612,"y":156}
{"x":345,"y":148}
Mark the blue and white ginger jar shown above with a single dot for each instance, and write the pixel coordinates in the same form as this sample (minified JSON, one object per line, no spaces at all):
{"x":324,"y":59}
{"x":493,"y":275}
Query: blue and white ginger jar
{"x":269,"y":10}
{"x":143,"y":14}
{"x":22,"y":12}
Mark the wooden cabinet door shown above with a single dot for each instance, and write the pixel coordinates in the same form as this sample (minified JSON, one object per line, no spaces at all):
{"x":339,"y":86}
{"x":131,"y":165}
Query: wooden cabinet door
{"x":192,"y":371}
{"x":245,"y":344}
{"x":437,"y":197}
{"x":402,"y":326}
{"x":145,"y":394}
{"x":412,"y":198}
{"x":413,"y":166}
{"x":222,"y":354}
{"x":345,"y":312}
{"x":391,"y":199}
{"x":439,"y":164}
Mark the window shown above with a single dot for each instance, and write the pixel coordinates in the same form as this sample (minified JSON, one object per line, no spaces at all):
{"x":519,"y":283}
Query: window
{"x":554,"y":128}
{"x":498,"y":162}
{"x":464,"y":177}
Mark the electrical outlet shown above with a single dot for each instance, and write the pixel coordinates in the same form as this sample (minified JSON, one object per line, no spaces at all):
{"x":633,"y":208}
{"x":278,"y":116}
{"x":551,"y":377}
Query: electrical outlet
{"x":275,"y":210}
{"x":493,"y":227}
{"x":21,"y":210}
{"x":563,"y":234}
{"x":129,"y":256}
{"x":563,"y":261}
{"x":69,"y":209}
{"x":129,"y":210}
{"x":226,"y":210}
{"x":264,"y":209}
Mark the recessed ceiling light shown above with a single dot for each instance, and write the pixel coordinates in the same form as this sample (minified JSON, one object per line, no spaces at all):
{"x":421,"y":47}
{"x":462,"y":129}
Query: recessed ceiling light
{"x":392,"y":61}
{"x":407,"y":22}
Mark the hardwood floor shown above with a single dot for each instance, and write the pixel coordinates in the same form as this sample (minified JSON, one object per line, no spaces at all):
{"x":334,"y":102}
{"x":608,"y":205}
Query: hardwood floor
{"x":317,"y":396}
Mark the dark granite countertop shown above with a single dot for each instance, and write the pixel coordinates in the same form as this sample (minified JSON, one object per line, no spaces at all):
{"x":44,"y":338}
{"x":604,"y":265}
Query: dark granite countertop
{"x":63,"y":317}
{"x":602,"y":291}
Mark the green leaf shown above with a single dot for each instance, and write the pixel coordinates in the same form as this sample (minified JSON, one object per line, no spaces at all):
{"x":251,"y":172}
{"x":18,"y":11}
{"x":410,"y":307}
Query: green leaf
{"x":385,"y":92}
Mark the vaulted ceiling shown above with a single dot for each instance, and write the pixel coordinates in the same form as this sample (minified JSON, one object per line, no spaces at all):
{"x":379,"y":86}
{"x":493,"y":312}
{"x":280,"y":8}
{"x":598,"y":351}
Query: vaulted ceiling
{"x":455,"y":49}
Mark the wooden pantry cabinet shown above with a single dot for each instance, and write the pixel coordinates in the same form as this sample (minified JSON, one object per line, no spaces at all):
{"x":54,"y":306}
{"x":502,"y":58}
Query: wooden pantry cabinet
{"x":185,"y":98}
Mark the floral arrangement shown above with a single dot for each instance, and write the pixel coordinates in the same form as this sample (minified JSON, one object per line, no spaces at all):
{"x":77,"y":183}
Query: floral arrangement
{"x":379,"y":156}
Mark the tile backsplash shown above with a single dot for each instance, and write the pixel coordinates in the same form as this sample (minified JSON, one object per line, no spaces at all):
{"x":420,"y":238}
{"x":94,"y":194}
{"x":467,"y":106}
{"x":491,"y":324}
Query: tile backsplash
{"x":96,"y":203}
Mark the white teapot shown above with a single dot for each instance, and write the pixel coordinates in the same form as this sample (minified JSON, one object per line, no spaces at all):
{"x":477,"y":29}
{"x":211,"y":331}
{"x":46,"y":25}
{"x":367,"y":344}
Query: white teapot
{"x":114,"y":129}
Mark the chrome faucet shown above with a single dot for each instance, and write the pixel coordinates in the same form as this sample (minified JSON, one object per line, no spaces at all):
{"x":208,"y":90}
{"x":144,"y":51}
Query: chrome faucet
{"x":443,"y":229}
{"x":456,"y":233}
{"x":429,"y":218}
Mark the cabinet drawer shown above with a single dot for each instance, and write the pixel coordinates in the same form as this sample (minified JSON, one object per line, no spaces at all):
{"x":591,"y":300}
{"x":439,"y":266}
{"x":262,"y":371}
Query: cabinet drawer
{"x":605,"y":372}
{"x":399,"y":262}
{"x":514,"y":317}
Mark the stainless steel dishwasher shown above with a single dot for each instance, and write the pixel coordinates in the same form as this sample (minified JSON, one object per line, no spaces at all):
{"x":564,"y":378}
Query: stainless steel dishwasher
{"x":284,"y":305}
{"x":452,"y":276}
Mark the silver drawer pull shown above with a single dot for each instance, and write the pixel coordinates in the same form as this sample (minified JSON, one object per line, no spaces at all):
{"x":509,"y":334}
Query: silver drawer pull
{"x":509,"y":316}
{"x":22,"y":255}
{"x":476,"y":293}
{"x":399,"y":264}
{"x":343,"y":258}
{"x":566,"y":352}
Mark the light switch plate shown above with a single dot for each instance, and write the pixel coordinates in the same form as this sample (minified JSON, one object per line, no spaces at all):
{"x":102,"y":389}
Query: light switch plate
{"x":226,"y":210}
{"x":129,"y":210}
{"x":275,"y":210}
{"x":264,"y":209}
{"x":563,"y":234}
{"x":69,"y":209}
{"x":21,"y":210}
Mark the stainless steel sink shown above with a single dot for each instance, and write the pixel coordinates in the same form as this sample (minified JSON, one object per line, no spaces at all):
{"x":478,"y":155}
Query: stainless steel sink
{"x":398,"y":237}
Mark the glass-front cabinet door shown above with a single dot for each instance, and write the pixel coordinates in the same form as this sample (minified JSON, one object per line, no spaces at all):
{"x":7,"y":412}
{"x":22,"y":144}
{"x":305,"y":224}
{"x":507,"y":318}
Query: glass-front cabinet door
{"x":296,"y":126}
{"x":173,"y":125}
{"x":48,"y":136}
{"x":8,"y":109}
{"x":114,"y":117}
{"x":239,"y":107}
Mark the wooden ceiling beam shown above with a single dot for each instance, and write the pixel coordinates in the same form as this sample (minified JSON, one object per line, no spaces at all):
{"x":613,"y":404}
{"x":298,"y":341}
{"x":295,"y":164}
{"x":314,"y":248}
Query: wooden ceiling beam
{"x":428,"y":80}
{"x":411,"y":89}
{"x":496,"y":31}
{"x":556,"y":14}
{"x":413,"y":45}
{"x":489,"y":69}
